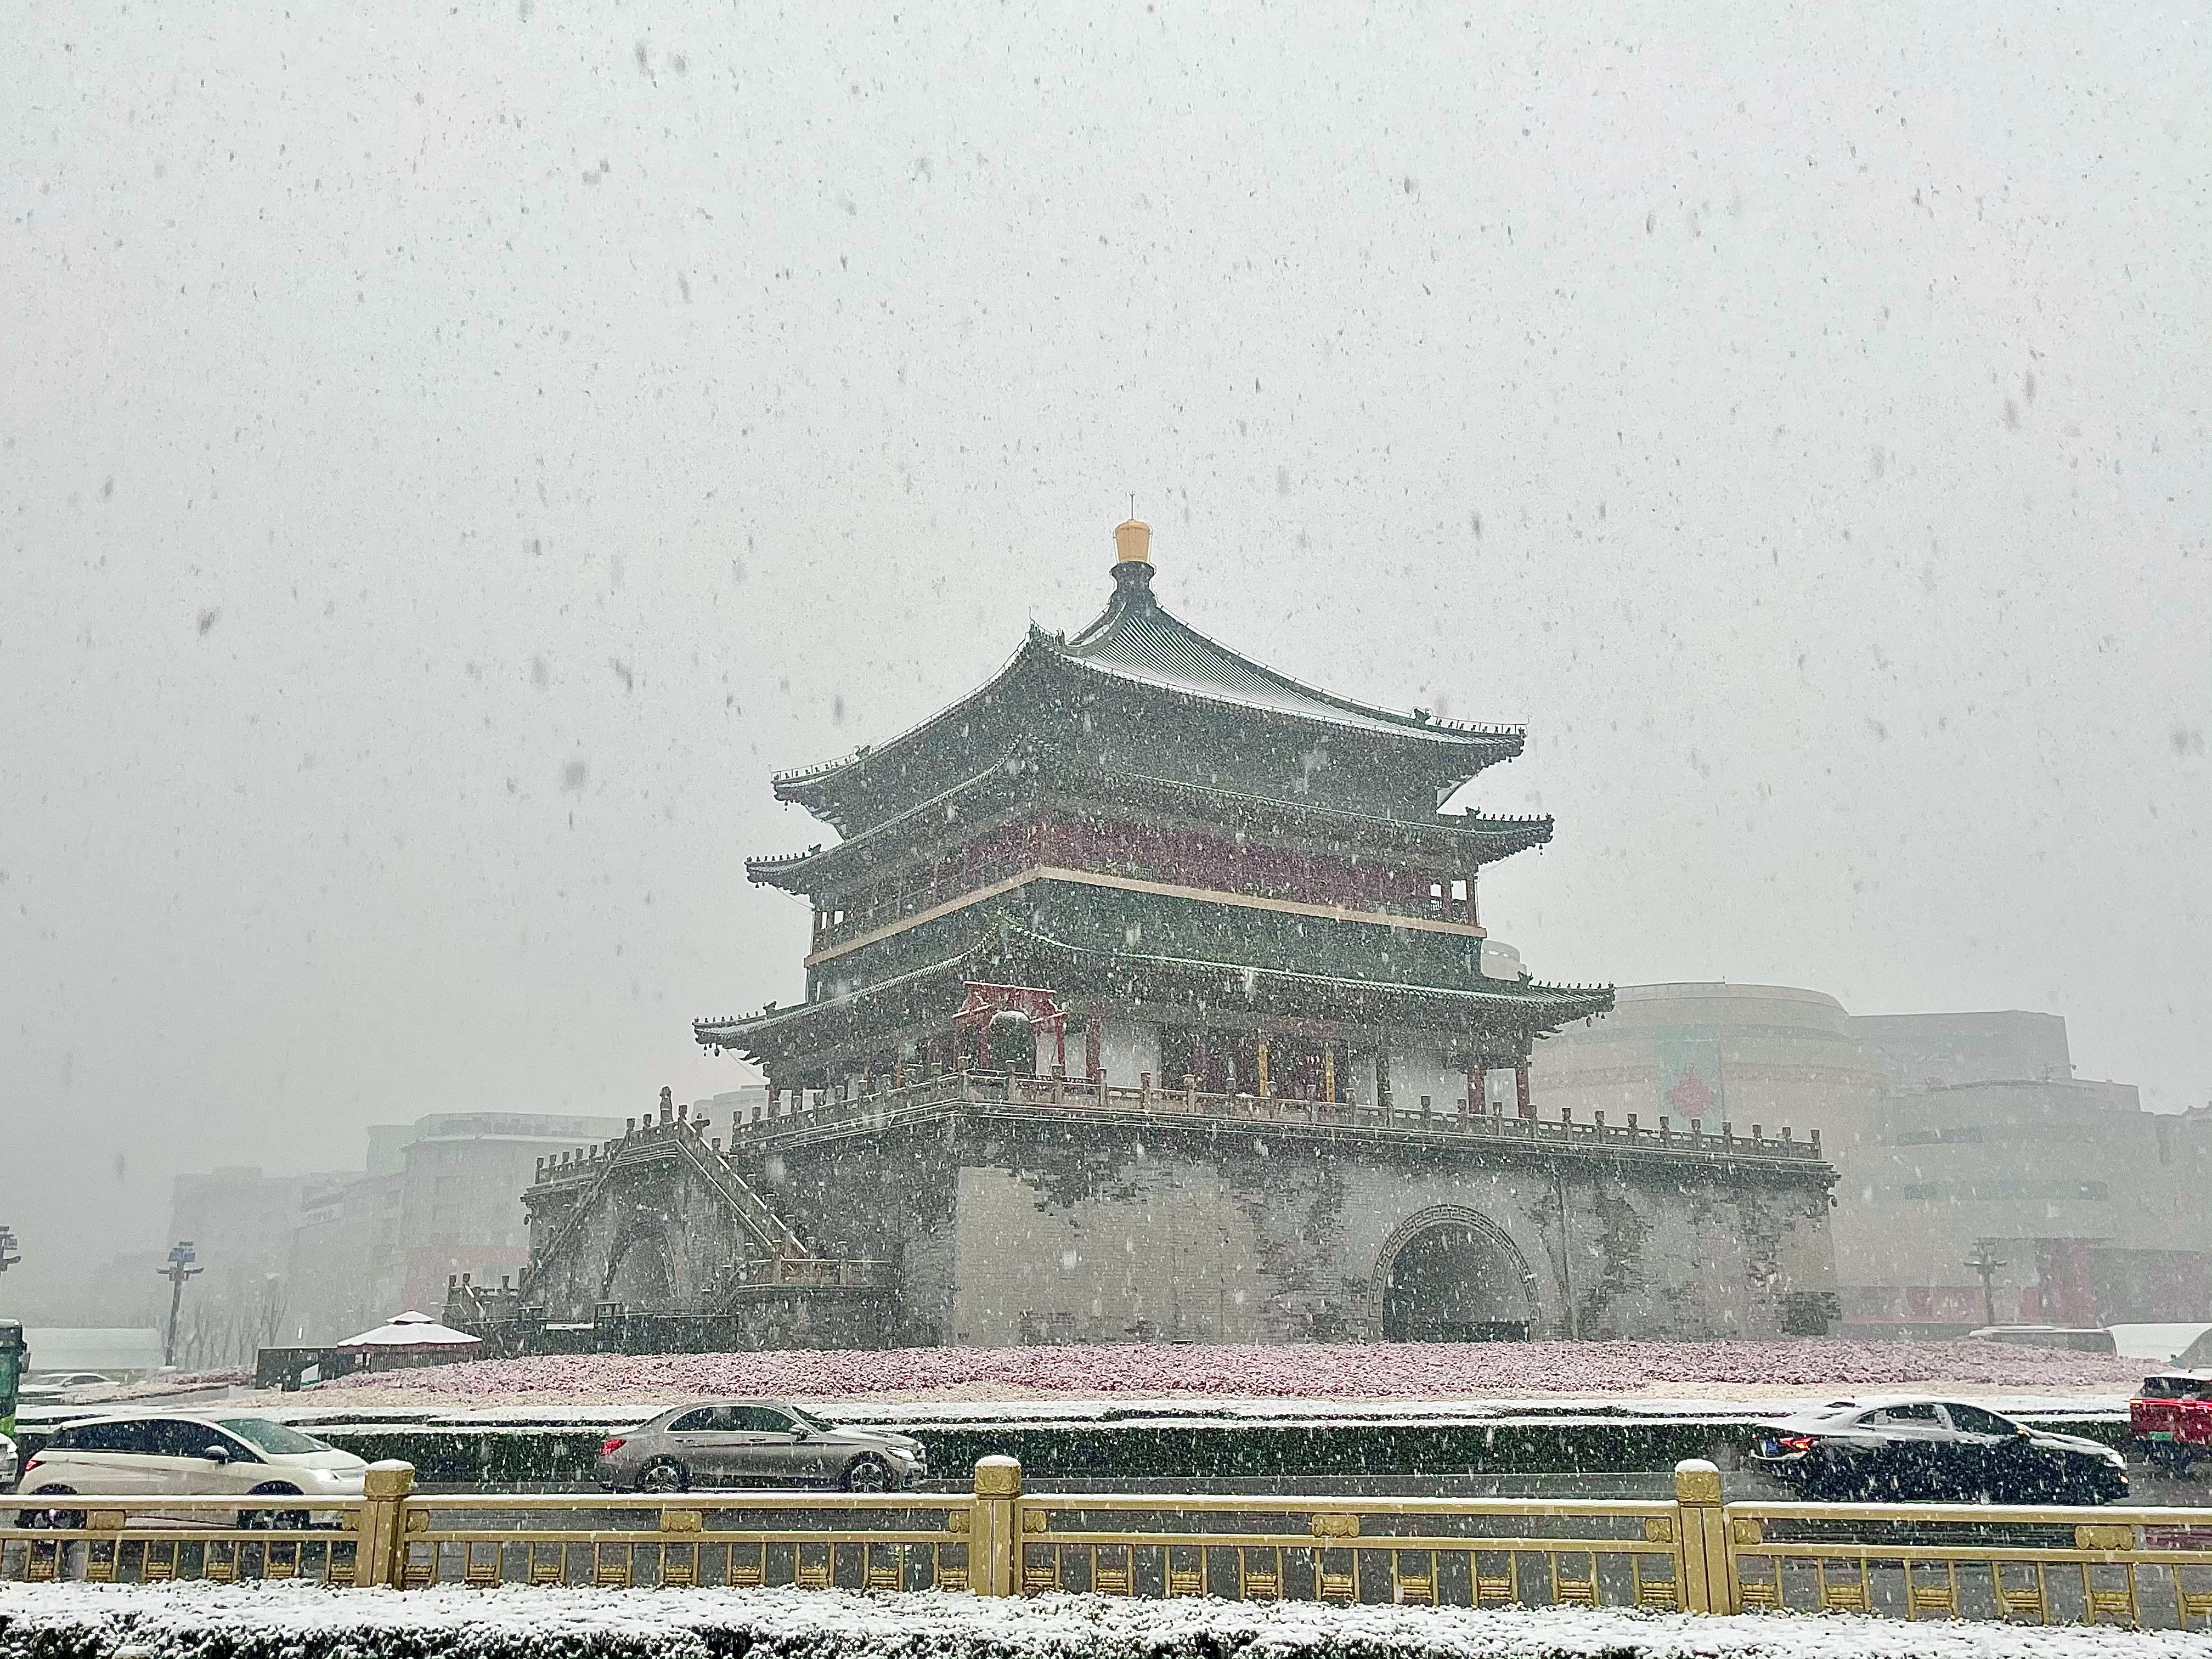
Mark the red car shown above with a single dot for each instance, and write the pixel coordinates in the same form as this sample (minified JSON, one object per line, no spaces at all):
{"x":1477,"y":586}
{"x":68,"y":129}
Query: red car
{"x":2171,"y":1421}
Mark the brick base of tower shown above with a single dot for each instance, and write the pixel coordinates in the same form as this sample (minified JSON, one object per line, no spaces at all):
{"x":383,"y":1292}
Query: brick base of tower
{"x":980,"y":1225}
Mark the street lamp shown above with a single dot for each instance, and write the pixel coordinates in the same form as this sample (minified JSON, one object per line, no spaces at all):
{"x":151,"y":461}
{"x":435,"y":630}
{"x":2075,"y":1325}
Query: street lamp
{"x":180,"y":1268}
{"x":1984,"y":1262}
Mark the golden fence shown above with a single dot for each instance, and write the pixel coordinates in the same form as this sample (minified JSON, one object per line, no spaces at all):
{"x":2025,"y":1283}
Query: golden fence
{"x":147,"y":1539}
{"x":1691,"y":1553}
{"x":2122,"y":1566}
{"x":815,"y":1540}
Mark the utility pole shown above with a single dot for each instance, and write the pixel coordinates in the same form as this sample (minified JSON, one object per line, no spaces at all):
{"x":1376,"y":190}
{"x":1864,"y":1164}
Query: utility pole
{"x":180,"y":1268}
{"x":1984,"y":1262}
{"x":13,"y":1354}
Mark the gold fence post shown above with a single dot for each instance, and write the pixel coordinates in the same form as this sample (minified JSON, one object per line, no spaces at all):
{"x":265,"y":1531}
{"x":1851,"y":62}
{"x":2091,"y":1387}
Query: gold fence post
{"x":1701,"y":1526}
{"x":993,"y":1544}
{"x":380,"y":1545}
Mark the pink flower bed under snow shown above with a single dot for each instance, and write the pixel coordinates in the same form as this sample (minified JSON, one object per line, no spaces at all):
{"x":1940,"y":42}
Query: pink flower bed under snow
{"x":1358,"y":1371}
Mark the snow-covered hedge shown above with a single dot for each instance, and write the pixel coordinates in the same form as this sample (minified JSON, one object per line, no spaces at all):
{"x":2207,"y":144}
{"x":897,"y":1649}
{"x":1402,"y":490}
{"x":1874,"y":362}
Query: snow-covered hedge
{"x":1380,"y":1370}
{"x":203,"y":1621}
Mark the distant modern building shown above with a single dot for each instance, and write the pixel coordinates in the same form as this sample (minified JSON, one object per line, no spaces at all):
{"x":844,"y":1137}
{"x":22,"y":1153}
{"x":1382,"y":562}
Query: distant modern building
{"x":240,"y":1222}
{"x":1987,"y":1147}
{"x":1956,"y":1138}
{"x":735,"y":1106}
{"x":439,"y":1198}
{"x":309,"y":1258}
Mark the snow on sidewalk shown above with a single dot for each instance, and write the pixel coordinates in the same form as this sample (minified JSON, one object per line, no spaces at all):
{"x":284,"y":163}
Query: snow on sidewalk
{"x":299,"y":1621}
{"x":1378,"y":1371}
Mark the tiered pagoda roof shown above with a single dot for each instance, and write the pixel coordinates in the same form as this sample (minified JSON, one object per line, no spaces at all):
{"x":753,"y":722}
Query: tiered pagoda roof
{"x":1139,"y":660}
{"x":1139,"y":719}
{"x":1473,"y":1008}
{"x":1042,"y":768}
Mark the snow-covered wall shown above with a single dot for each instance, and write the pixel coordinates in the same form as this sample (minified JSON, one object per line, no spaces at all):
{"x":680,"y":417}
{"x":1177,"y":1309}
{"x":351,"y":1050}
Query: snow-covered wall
{"x":1012,"y":1232}
{"x":1006,"y":1228}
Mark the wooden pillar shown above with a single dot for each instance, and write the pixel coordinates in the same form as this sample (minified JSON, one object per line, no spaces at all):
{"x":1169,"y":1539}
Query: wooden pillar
{"x":1478,"y":1089}
{"x":1520,"y":1090}
{"x":1329,"y":1072}
{"x":1059,"y":1048}
{"x":1091,"y":1057}
{"x":1261,"y":1060}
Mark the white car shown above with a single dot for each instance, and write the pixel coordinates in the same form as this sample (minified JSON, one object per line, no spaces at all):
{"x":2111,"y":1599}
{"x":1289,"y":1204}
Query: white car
{"x":181,"y":1453}
{"x":7,"y":1462}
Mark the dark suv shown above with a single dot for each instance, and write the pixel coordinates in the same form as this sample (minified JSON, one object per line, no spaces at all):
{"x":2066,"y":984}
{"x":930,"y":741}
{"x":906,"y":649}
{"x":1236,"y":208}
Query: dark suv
{"x":1936,"y":1450}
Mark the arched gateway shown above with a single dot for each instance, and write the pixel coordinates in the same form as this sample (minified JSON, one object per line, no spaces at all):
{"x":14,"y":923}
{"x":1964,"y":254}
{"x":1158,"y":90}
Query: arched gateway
{"x":1449,"y":1274}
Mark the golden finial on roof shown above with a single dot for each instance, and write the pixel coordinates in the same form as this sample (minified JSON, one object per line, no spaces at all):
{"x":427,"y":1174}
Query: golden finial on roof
{"x":1133,"y":542}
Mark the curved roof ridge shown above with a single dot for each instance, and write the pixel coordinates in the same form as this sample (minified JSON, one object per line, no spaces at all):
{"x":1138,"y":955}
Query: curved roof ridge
{"x":1137,"y":637}
{"x":805,"y":775}
{"x":729,"y":1031}
{"x":878,"y":829}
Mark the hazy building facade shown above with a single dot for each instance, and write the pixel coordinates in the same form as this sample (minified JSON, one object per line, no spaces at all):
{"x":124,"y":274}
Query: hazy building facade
{"x":1988,"y":1148}
{"x":1956,"y":1138}
{"x":239,"y":1221}
{"x":306,"y":1259}
{"x":438,"y":1199}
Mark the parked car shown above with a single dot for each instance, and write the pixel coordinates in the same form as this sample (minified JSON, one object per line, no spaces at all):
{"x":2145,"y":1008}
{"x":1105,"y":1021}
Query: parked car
{"x":2171,"y":1418}
{"x":7,"y":1462}
{"x":184,"y":1453}
{"x":756,"y":1443}
{"x":1936,"y":1450}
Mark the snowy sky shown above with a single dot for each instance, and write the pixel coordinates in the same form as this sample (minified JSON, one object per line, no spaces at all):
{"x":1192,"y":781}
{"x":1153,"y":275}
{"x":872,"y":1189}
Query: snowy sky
{"x":450,"y":456}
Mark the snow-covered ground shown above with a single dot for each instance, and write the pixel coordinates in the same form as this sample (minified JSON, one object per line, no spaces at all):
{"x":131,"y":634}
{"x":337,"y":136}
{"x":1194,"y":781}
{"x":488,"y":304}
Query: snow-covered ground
{"x":312,"y":1412}
{"x":295,"y":1621}
{"x":1706,"y":1372}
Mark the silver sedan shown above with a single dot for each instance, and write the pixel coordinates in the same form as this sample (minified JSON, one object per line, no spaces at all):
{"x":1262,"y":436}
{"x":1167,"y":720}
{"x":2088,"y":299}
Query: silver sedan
{"x":756,"y":1443}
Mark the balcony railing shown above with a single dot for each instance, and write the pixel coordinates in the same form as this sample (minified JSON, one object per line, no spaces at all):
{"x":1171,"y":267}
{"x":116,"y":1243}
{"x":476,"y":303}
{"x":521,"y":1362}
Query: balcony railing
{"x":1044,"y":1097}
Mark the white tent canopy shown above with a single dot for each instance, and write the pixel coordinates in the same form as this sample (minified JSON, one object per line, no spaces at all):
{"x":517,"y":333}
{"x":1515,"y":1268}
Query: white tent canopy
{"x":2164,"y":1343}
{"x":410,"y":1330}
